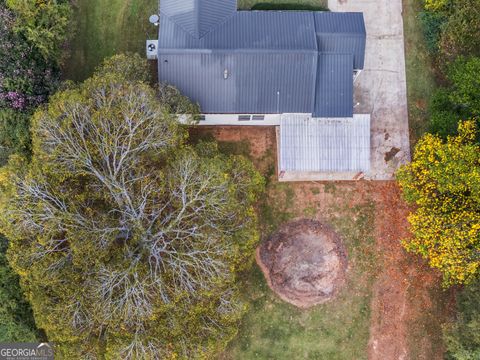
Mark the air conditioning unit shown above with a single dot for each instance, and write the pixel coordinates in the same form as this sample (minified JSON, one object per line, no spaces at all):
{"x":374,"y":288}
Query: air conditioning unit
{"x":152,"y":49}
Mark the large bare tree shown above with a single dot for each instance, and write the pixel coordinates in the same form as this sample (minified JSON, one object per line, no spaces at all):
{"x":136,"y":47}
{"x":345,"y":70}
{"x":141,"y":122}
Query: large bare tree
{"x":127,"y":239}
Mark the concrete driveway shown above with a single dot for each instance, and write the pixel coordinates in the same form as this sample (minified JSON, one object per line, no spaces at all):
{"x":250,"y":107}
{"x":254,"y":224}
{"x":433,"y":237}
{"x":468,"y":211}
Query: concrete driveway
{"x":381,"y":88}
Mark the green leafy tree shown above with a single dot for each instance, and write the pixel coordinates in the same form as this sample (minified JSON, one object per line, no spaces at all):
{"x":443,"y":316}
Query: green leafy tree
{"x":445,"y":114}
{"x":32,"y":37}
{"x":16,"y":318}
{"x":462,"y":336}
{"x":44,"y":24}
{"x":460,"y":32}
{"x":128,"y":241}
{"x":130,"y":65}
{"x":459,"y":101}
{"x":465,"y":77}
{"x":14,"y":133}
{"x":443,"y":181}
{"x":432,"y":23}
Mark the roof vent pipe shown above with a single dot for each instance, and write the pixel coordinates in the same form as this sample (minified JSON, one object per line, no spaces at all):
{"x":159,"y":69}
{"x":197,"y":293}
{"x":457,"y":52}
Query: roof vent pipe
{"x":225,"y":74}
{"x":278,"y":102}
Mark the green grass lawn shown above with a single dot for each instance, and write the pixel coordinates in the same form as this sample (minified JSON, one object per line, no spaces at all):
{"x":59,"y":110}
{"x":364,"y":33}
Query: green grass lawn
{"x":339,"y":329}
{"x":107,"y":27}
{"x":420,"y":75}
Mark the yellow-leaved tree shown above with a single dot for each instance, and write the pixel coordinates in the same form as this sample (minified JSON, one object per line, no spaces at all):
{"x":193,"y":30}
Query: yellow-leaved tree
{"x":436,"y":5}
{"x":443,"y":181}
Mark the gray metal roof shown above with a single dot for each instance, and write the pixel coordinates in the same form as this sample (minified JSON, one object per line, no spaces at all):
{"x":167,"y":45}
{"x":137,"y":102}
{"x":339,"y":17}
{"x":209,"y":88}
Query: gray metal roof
{"x":324,"y":145}
{"x":278,"y":61}
{"x":253,"y":83}
{"x":341,"y":33}
{"x":334,"y":86}
{"x":198,"y":17}
{"x":252,"y":30}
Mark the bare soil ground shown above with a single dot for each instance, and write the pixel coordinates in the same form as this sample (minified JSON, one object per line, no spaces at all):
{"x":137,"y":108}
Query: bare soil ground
{"x":304,"y":262}
{"x":407,"y":305}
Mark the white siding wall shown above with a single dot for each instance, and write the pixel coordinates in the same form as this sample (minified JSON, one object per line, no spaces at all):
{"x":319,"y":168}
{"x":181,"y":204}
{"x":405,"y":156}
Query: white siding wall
{"x":232,"y":119}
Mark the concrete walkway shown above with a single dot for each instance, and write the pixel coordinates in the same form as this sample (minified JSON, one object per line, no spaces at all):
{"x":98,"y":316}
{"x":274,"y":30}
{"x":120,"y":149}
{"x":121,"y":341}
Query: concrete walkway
{"x":381,"y":88}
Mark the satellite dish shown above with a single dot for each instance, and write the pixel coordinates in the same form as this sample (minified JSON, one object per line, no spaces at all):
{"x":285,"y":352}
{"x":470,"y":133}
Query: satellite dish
{"x":154,"y":19}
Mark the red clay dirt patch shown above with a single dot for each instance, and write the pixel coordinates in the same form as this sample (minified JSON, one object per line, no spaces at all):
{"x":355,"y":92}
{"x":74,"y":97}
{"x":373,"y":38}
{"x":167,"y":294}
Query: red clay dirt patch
{"x":304,"y":262}
{"x":408,"y":305}
{"x":262,"y":139}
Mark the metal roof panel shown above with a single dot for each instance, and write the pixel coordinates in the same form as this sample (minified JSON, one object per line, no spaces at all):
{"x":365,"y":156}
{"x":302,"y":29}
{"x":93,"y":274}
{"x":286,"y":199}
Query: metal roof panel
{"x":324,"y":145}
{"x":342,"y":33}
{"x":255,"y":83}
{"x":334,"y":86}
{"x":247,"y":30}
{"x":198,"y":17}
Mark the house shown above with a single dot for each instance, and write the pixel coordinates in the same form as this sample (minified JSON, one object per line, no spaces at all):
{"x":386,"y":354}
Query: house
{"x":290,"y":69}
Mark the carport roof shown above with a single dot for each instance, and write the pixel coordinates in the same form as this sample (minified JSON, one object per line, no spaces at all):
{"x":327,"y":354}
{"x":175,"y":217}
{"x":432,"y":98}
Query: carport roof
{"x":324,"y":145}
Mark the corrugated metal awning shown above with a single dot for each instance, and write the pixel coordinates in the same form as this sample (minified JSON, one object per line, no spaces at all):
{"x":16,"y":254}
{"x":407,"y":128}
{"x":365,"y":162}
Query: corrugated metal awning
{"x":324,"y":144}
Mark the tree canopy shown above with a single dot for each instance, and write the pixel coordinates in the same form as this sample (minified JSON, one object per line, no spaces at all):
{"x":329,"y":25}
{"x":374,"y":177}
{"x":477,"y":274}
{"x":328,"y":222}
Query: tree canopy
{"x":16,"y":316}
{"x":443,"y":181}
{"x":462,"y":336}
{"x":128,"y":241}
{"x":460,"y":32}
{"x":461,"y":100}
{"x":32,"y":37}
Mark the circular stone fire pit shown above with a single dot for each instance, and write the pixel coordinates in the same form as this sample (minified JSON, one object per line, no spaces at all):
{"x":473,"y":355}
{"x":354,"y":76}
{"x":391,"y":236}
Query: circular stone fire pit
{"x":304,"y":262}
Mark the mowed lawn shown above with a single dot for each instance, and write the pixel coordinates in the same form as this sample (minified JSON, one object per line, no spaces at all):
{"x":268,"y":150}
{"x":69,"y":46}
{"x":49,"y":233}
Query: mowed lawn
{"x":107,"y":27}
{"x":336,"y":330}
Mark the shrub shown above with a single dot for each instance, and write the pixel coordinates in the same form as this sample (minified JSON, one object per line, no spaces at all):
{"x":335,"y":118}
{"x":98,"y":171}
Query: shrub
{"x":14,"y":133}
{"x":462,"y":336}
{"x":460,"y":33}
{"x":459,"y":101}
{"x":437,"y":5}
{"x":432,"y":23}
{"x":44,"y":25}
{"x":465,"y":77}
{"x":17,"y":324}
{"x":130,"y":65}
{"x":32,"y":35}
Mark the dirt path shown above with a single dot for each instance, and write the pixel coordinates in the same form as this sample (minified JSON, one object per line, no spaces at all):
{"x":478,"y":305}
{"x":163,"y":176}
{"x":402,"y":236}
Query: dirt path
{"x":388,"y":333}
{"x":407,"y":298}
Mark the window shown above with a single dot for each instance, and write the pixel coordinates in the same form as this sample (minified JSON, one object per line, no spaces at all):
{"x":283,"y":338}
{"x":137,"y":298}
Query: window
{"x":244,"y":117}
{"x":258,"y":117}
